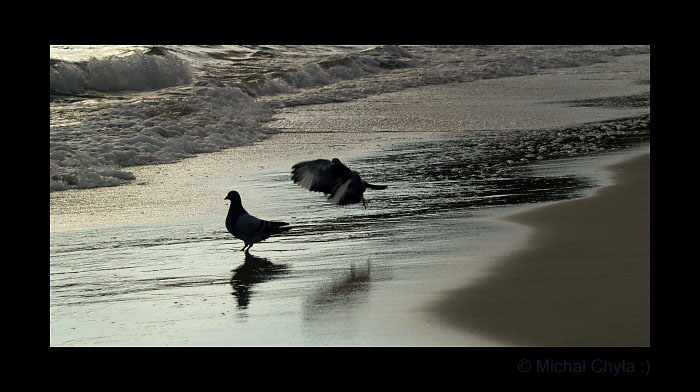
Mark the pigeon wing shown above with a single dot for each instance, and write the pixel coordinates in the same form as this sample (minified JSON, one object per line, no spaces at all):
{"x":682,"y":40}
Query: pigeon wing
{"x":314,"y":175}
{"x":338,"y":194}
{"x":252,"y":229}
{"x":248,"y":225}
{"x":349,"y":192}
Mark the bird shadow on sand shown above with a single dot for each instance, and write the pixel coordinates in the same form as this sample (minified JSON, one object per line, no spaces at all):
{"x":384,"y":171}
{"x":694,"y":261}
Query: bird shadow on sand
{"x":254,"y":270}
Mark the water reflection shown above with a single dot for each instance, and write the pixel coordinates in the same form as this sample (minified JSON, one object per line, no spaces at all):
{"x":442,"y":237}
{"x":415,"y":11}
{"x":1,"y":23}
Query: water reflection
{"x":253,"y":270}
{"x":341,"y":292}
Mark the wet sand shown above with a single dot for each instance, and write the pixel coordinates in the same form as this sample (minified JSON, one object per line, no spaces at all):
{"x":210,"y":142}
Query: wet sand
{"x":583,"y":280}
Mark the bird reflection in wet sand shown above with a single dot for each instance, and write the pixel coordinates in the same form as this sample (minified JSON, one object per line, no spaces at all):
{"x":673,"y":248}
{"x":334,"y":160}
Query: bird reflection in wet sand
{"x":342,"y":291}
{"x":254,"y":270}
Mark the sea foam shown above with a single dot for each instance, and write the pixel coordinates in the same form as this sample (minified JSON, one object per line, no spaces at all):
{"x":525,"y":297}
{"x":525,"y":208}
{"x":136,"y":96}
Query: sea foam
{"x":147,"y":132}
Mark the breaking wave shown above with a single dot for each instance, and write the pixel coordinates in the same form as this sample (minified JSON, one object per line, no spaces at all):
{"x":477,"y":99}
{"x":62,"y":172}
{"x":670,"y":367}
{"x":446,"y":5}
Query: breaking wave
{"x":136,"y":72}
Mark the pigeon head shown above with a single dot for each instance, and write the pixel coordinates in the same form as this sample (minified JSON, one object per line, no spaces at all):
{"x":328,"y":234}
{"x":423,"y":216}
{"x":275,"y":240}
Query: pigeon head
{"x":335,"y":160}
{"x":234,"y":197}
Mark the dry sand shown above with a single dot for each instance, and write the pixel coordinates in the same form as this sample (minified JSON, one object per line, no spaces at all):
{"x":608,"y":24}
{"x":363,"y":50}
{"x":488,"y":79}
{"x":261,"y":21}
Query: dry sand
{"x":584,"y":279}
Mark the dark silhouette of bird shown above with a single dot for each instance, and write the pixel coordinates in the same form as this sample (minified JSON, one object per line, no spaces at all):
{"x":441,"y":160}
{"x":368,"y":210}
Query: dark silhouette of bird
{"x":342,"y":185}
{"x":248,"y":228}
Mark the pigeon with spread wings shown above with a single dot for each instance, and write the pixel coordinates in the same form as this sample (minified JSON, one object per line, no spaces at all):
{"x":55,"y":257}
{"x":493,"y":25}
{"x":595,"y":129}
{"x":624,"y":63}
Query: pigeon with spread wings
{"x":342,"y":185}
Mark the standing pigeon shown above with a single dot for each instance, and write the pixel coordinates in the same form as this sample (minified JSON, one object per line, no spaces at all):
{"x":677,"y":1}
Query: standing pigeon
{"x":246,"y":227}
{"x":342,"y":185}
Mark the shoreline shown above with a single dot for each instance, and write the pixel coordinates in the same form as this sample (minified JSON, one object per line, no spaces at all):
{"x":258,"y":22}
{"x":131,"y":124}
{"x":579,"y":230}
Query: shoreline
{"x":582,"y":284}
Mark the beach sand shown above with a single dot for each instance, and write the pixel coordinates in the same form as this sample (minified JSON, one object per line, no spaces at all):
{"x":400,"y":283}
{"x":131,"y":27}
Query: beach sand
{"x":582,"y":281}
{"x":150,"y":263}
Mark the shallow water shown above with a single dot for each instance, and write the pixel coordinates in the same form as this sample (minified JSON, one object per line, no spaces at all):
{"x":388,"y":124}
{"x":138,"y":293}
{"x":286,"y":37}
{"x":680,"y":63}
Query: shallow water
{"x":151,"y":263}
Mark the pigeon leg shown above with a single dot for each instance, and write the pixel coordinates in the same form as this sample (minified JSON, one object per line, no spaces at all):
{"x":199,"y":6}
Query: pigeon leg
{"x":364,"y":202}
{"x":249,"y":246}
{"x":244,"y":246}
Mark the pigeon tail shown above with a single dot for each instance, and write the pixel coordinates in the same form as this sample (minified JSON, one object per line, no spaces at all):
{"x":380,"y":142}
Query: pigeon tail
{"x":279,"y":227}
{"x":372,"y":186}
